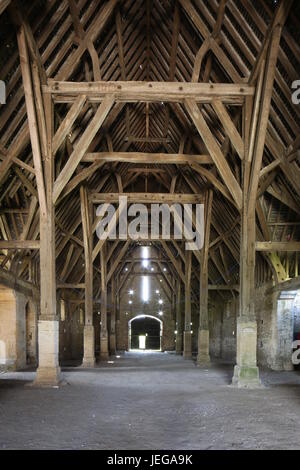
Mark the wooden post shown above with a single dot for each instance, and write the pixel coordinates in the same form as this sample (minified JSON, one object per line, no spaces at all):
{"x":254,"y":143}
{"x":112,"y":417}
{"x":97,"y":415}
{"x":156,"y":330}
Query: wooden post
{"x":112,"y":338}
{"x":88,"y":332}
{"x":103,"y":332}
{"x":187,"y":337}
{"x":48,"y":371}
{"x":178,"y":319}
{"x":246,"y":373}
{"x":203,"y":333}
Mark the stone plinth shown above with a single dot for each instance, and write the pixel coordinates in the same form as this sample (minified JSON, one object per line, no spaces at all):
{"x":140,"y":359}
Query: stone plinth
{"x":246,"y":372}
{"x":203,"y":357}
{"x":48,"y":372}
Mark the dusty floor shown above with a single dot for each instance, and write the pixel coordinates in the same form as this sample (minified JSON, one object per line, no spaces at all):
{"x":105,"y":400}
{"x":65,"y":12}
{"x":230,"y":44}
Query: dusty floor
{"x":150,"y":401}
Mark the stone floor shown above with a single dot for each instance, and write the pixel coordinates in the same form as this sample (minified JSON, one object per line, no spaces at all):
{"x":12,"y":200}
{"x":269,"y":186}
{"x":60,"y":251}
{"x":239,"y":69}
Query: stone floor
{"x":150,"y":401}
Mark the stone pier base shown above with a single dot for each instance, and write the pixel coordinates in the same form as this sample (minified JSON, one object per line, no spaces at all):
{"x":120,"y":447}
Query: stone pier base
{"x":203,"y":358}
{"x":88,"y":346}
{"x":104,"y":354}
{"x":246,"y":377}
{"x":187,"y":345}
{"x":246,"y":372}
{"x":48,"y":372}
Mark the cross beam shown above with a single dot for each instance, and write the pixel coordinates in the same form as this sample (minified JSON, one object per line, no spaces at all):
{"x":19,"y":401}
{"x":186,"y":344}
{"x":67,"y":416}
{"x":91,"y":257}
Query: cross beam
{"x":278,"y":246}
{"x":147,"y":158}
{"x":149,"y":91}
{"x":144,"y":198}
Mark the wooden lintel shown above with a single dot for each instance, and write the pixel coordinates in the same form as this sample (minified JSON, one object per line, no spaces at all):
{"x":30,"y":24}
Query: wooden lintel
{"x":144,"y":198}
{"x":70,"y":286}
{"x":150,"y":91}
{"x":291,"y":246}
{"x":19,"y":245}
{"x":148,"y":158}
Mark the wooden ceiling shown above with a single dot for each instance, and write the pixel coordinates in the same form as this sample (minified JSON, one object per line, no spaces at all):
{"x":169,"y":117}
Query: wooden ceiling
{"x":199,"y":41}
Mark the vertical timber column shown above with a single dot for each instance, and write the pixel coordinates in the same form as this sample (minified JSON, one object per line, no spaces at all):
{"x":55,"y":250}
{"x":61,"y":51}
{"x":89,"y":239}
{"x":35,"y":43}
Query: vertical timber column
{"x":203,"y":357}
{"x":187,"y":336}
{"x":246,"y":373}
{"x":40,"y":118}
{"x":103,"y":333}
{"x":178,"y":319}
{"x":256,"y":118}
{"x":48,"y":371}
{"x":88,"y":332}
{"x":112,"y":338}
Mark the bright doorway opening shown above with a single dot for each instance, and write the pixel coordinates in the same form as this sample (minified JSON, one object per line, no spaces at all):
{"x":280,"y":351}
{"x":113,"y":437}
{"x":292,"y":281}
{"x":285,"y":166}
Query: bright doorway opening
{"x":145,"y":333}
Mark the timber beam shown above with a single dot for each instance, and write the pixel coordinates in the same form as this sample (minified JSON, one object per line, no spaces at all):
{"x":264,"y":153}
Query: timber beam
{"x":159,"y":198}
{"x":149,"y":91}
{"x":290,"y":284}
{"x":148,"y":158}
{"x":19,"y":245}
{"x":278,"y":246}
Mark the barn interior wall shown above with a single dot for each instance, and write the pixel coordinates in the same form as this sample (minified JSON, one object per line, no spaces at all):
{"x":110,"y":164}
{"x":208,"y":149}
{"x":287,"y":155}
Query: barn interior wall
{"x":12,"y":329}
{"x":277,"y":315}
{"x":31,"y":320}
{"x":71,"y":333}
{"x":278,"y":321}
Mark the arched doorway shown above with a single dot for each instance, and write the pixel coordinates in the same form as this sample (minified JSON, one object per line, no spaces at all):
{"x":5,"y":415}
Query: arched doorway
{"x":145,"y":332}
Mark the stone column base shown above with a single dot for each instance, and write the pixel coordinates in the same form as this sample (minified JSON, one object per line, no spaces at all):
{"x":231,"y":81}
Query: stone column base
{"x":104,"y":354}
{"x":203,"y":358}
{"x":88,"y":346}
{"x":187,"y":345}
{"x":246,"y":372}
{"x":246,"y":377}
{"x":48,"y":372}
{"x":88,"y":362}
{"x":48,"y":376}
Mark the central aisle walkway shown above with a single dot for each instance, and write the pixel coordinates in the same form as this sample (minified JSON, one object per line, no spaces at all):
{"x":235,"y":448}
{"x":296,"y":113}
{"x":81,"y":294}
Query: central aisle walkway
{"x":150,"y":401}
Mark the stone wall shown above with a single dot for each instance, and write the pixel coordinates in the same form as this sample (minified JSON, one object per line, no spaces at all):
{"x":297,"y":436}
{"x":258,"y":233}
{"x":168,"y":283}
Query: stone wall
{"x":222,"y":329}
{"x":70,"y":332}
{"x":278,"y":319}
{"x":12,"y":329}
{"x":267,"y":323}
{"x":152,"y":307}
{"x":296,"y":311}
{"x":215,"y":330}
{"x":31,"y":313}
